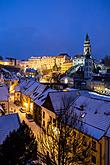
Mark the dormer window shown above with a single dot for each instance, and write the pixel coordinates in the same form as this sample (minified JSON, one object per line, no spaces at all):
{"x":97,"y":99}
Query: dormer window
{"x":83,"y":115}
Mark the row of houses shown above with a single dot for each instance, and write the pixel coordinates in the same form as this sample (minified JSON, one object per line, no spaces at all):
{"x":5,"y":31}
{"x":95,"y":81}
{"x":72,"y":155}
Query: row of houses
{"x":93,"y":109}
{"x":44,"y":104}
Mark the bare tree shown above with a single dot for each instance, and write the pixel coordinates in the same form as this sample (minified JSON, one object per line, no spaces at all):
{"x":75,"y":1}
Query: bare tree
{"x":64,"y":140}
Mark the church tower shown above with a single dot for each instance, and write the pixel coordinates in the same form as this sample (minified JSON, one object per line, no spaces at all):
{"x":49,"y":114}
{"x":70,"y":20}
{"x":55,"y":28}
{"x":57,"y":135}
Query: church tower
{"x":88,"y":67}
{"x":87,"y":46}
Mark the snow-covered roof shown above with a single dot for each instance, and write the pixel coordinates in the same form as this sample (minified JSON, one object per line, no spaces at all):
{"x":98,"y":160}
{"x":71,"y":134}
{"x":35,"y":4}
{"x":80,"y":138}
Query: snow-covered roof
{"x":8,"y":123}
{"x":25,"y":84}
{"x":4,"y":95}
{"x":71,"y":89}
{"x":99,"y":96}
{"x":41,"y":97}
{"x":11,"y":75}
{"x":14,"y":76}
{"x":30,"y":88}
{"x":92,"y":110}
{"x":38,"y":91}
{"x":60,"y":99}
{"x":94,"y":95}
{"x":5,"y":70}
{"x":17,"y":88}
{"x":30,"y":70}
{"x":95,"y":115}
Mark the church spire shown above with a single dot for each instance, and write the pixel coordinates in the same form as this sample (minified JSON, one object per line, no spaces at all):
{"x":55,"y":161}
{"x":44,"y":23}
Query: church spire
{"x":87,"y":45}
{"x":87,"y":37}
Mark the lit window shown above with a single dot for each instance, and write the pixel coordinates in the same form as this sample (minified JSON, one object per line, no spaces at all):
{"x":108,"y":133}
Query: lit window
{"x":83,"y":115}
{"x":43,"y":123}
{"x":94,"y":144}
{"x":43,"y":115}
{"x":74,"y":133}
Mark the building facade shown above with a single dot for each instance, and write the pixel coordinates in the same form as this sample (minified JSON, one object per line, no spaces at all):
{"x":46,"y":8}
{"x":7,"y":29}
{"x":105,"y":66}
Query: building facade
{"x":47,"y":62}
{"x":92,"y":109}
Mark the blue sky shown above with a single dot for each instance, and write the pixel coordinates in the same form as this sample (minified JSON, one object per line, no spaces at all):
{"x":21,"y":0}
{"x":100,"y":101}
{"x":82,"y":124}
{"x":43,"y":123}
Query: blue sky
{"x":51,"y":27}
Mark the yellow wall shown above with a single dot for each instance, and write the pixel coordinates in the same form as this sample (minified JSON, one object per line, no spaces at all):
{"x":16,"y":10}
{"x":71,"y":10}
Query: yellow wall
{"x":45,"y":62}
{"x":97,"y":86}
{"x":65,"y":66}
{"x":46,"y":119}
{"x":99,"y":152}
{"x":17,"y":96}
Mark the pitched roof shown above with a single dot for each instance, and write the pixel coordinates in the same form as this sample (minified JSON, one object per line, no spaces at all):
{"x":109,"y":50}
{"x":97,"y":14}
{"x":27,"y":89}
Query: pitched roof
{"x":41,"y":97}
{"x":4,"y":95}
{"x":25,"y":84}
{"x":8,"y":123}
{"x":93,"y":110}
{"x":30,"y":88}
{"x":95,"y":115}
{"x":60,"y":99}
{"x":31,"y":70}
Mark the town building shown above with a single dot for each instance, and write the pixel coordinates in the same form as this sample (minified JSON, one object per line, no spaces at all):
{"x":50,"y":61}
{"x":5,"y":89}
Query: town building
{"x":48,"y":62}
{"x":29,"y":72}
{"x":99,"y":83}
{"x":93,"y":111}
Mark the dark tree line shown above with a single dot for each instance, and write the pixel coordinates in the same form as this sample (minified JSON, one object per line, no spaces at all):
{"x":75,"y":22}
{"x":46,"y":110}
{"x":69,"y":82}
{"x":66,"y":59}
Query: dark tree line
{"x":19,"y":147}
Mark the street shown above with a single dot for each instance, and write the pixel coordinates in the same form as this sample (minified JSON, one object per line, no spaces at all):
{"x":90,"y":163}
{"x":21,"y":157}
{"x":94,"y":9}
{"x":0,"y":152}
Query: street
{"x":15,"y":109}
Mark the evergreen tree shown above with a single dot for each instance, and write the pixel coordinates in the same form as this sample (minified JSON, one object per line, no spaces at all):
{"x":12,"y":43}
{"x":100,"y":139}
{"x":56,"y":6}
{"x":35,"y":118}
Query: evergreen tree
{"x":19,"y":147}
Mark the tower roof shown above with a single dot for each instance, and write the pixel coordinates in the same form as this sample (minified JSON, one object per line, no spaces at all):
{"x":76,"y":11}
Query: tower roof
{"x":87,"y":37}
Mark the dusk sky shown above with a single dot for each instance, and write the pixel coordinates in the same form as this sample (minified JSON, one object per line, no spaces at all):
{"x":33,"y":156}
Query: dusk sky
{"x":50,"y":27}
